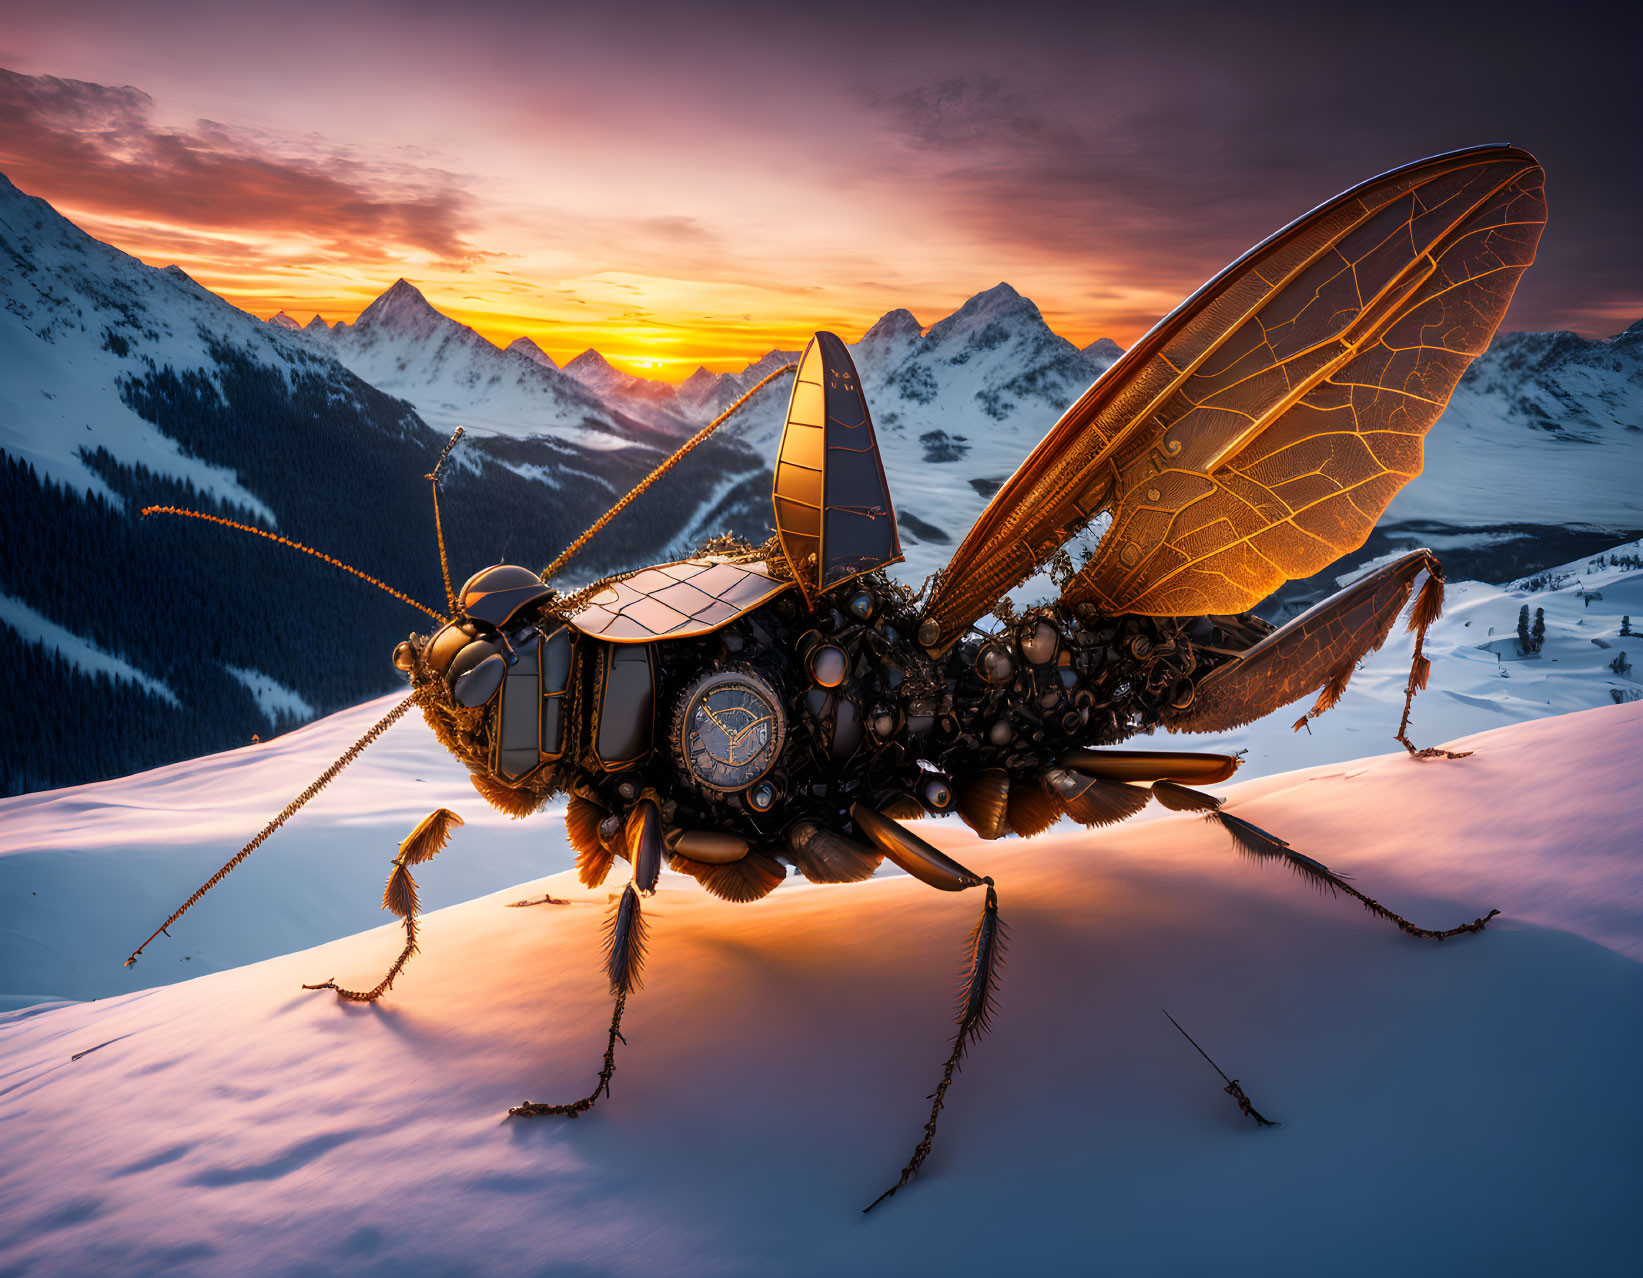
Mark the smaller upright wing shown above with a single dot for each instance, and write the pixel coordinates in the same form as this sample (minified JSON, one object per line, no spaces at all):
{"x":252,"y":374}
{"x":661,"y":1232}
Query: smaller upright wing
{"x":833,"y":510}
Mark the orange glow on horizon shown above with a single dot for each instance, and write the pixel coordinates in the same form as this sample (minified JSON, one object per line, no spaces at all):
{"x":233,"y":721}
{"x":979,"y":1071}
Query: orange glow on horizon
{"x":265,"y":275}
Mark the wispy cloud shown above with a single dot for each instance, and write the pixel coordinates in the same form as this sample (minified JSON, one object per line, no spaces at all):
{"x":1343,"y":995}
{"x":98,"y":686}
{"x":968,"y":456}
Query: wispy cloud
{"x":100,"y":151}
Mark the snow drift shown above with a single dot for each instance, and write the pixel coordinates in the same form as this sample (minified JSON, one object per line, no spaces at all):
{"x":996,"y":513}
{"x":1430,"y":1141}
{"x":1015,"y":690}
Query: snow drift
{"x":1463,"y":1107}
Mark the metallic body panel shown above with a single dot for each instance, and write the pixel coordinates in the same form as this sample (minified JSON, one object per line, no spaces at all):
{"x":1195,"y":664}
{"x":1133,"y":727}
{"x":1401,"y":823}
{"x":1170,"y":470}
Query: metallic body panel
{"x":676,"y":601}
{"x":626,"y":704}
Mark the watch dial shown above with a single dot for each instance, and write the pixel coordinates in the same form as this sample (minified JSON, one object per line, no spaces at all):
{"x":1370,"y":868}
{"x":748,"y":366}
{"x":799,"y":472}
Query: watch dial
{"x":729,"y":729}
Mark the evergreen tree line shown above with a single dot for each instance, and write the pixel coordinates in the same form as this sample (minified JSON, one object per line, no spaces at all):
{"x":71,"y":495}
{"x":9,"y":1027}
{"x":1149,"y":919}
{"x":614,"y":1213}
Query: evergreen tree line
{"x":342,"y":466}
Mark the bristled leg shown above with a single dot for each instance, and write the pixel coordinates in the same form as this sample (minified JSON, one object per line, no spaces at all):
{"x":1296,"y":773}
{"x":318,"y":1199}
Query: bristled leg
{"x":984,"y":957}
{"x":399,"y":896}
{"x":1252,"y":841}
{"x":624,"y":960}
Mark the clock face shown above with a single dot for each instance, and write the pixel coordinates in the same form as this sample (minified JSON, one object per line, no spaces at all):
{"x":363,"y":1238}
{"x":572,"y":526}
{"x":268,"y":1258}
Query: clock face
{"x":728,"y":730}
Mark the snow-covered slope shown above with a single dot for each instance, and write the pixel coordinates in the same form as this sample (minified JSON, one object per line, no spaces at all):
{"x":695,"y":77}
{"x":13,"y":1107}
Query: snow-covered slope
{"x":78,"y":317}
{"x":455,"y":377}
{"x":1463,"y":1108}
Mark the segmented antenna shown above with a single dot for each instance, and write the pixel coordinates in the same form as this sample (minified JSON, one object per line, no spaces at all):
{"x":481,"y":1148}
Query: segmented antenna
{"x":290,"y":810}
{"x":669,"y":464}
{"x":439,"y":529}
{"x":295,"y":545}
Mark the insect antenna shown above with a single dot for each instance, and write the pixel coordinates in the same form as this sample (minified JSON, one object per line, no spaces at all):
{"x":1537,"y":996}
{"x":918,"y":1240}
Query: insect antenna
{"x":324,"y":779}
{"x":439,"y":529}
{"x":678,"y":456}
{"x":295,"y":545}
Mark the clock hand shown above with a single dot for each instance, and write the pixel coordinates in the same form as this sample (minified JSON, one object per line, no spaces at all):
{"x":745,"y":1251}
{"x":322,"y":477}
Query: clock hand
{"x":767,"y":718}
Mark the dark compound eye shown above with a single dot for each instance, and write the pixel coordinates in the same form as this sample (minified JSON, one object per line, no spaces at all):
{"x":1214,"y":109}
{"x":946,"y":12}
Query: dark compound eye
{"x":469,"y":656}
{"x":405,"y":657}
{"x":476,"y":686}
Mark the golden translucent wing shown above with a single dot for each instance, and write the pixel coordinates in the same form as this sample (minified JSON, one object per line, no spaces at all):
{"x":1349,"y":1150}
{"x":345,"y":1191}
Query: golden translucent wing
{"x":1259,"y":430}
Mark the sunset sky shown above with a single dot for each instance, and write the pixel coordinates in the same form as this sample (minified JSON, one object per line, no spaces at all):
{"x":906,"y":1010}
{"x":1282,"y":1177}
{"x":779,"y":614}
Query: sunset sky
{"x":693,"y":184}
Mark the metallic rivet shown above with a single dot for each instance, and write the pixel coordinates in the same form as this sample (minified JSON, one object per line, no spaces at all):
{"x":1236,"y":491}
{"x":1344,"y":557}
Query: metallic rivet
{"x":929,"y":632}
{"x":1153,"y":494}
{"x":1129,"y":555}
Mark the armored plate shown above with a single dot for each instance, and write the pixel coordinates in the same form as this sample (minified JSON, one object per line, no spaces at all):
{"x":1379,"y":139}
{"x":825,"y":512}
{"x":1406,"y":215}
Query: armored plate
{"x":676,"y":601}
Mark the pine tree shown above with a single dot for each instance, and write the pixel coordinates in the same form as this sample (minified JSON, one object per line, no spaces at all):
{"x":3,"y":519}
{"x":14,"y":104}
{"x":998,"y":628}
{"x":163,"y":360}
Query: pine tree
{"x":1538,"y":635}
{"x":1625,"y":626}
{"x":1523,"y":639}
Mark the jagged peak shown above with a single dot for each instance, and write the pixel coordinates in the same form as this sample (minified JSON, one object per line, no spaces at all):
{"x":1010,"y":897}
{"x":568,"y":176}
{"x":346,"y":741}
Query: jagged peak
{"x":590,"y":361}
{"x":700,"y":379}
{"x":316,"y":325}
{"x":900,"y":322}
{"x":998,"y":303}
{"x":1103,"y":348}
{"x":402,"y":300}
{"x":282,"y":320}
{"x":531,"y":351}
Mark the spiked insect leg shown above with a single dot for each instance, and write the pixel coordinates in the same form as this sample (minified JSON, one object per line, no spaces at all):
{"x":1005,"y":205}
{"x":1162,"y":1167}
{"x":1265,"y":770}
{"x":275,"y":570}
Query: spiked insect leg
{"x":984,"y":955}
{"x":1257,"y":844}
{"x":625,"y":932}
{"x":399,"y":896}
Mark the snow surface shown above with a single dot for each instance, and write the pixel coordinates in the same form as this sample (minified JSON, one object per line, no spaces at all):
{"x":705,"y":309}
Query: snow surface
{"x":1469,"y":1107}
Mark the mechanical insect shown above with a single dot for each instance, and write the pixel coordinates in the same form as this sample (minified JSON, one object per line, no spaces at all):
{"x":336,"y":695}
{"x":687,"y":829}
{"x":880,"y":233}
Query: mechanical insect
{"x":760,"y":707}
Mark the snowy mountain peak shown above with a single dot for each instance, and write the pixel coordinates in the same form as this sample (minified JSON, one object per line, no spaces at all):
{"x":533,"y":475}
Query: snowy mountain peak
{"x":282,"y":320}
{"x":401,"y":306}
{"x":698,"y":381}
{"x":1103,"y":350}
{"x":589,"y":366}
{"x":1001,"y":306}
{"x":531,"y":351}
{"x":315,"y":325}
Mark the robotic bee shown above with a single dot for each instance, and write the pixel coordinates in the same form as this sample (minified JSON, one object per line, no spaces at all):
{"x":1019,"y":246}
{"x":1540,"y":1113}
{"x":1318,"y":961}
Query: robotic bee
{"x":790,"y":704}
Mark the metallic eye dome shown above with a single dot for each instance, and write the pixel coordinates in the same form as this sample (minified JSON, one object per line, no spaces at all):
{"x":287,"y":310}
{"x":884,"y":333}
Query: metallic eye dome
{"x":495,"y":595}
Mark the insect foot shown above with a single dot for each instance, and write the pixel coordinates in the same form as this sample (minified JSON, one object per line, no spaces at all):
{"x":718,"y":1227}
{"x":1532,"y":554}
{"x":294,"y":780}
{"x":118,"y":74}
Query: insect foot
{"x":1251,"y":841}
{"x":624,"y":960}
